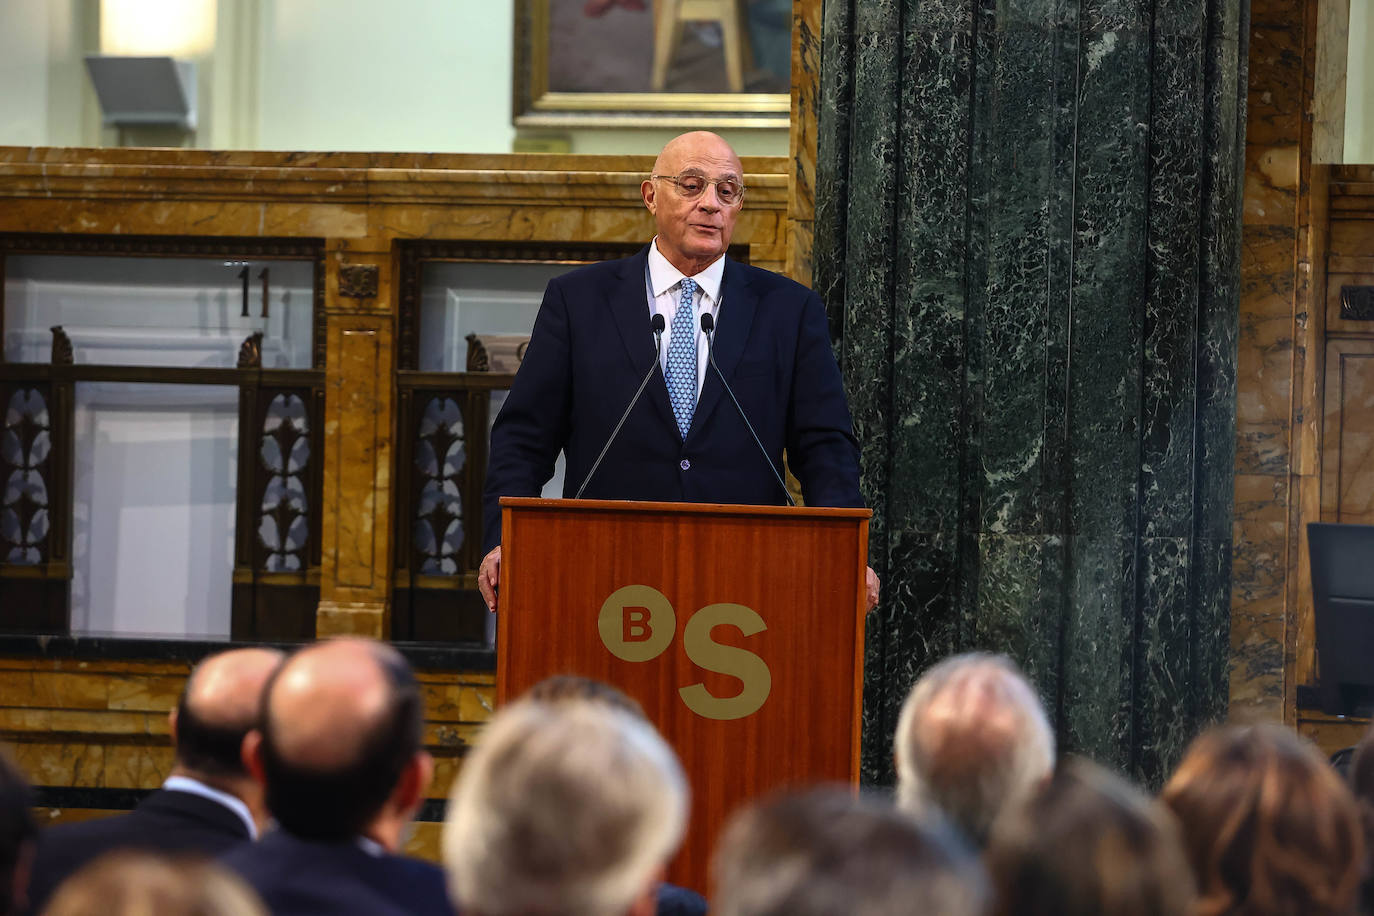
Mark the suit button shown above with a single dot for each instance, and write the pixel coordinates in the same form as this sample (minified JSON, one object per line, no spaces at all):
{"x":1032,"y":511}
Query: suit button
{"x":685,"y":464}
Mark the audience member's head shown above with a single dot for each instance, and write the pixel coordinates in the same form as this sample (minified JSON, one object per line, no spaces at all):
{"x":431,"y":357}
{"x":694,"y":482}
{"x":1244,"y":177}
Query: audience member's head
{"x":216,"y":711}
{"x":1089,"y":844}
{"x":17,"y":834}
{"x":825,"y":851}
{"x":1268,"y":827}
{"x":1362,"y":781}
{"x":142,"y":884}
{"x":564,"y":808}
{"x":972,"y":740}
{"x":339,"y":747}
{"x":572,"y":688}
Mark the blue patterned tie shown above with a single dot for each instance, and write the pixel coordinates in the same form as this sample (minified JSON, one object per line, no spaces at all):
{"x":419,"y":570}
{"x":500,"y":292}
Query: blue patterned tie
{"x":682,"y":359}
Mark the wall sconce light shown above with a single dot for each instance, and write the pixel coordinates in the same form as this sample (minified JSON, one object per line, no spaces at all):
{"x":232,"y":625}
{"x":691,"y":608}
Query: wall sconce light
{"x":139,"y":91}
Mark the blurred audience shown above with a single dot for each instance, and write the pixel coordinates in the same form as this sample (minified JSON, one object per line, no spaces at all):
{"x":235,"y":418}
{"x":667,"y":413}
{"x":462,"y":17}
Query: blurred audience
{"x":670,"y":900}
{"x":1089,"y":844}
{"x":130,"y":883}
{"x":826,"y":852}
{"x":1362,"y":781}
{"x":339,"y":756}
{"x":571,"y":688}
{"x":564,"y":808}
{"x":571,"y":804}
{"x":1269,"y":828}
{"x":972,"y":740}
{"x":18,"y":833}
{"x":208,"y":804}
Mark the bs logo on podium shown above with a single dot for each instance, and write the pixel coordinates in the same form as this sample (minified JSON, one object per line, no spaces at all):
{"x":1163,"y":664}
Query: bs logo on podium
{"x":637,"y":624}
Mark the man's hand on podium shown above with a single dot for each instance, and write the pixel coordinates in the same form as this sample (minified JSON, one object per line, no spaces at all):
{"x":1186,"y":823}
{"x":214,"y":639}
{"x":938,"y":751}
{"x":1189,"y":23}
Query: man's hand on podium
{"x":870,"y":580}
{"x":489,"y":577}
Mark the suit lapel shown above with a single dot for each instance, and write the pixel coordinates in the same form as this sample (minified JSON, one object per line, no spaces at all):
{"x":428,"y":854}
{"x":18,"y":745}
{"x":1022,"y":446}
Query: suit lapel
{"x":733,"y":322}
{"x":630,"y":308}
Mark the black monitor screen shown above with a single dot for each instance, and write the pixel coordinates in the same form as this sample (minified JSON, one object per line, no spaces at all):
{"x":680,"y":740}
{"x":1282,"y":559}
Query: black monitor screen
{"x":1343,"y":594}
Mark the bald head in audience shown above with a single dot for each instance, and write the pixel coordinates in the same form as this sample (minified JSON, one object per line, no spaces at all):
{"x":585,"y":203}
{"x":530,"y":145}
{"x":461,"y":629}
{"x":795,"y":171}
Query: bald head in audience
{"x":217,"y":709}
{"x":568,"y":808}
{"x":339,"y":750}
{"x":825,"y":852}
{"x":972,"y":739}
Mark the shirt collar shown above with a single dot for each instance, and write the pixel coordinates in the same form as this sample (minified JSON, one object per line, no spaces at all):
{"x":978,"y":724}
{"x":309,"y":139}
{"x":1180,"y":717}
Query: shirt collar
{"x":663,"y":276}
{"x":196,"y":787}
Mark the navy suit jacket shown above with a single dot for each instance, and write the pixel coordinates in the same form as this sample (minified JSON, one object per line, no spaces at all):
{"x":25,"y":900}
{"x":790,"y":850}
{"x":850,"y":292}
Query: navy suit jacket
{"x":170,"y":822}
{"x":591,"y":346}
{"x":297,"y":877}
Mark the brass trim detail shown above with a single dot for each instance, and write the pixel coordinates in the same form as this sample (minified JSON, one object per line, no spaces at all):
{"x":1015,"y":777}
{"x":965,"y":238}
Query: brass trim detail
{"x":358,"y":281}
{"x":62,"y":354}
{"x":477,"y":355}
{"x":169,"y":375}
{"x":162,"y":246}
{"x":535,"y":105}
{"x":250,"y":351}
{"x":716,"y":102}
{"x":1357,"y":303}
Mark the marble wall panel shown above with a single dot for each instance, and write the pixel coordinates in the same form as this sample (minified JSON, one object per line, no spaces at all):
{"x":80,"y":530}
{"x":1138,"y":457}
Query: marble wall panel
{"x":1331,"y":734}
{"x":1279,"y":350}
{"x":1098,"y":649}
{"x":1350,"y":431}
{"x":61,"y":764}
{"x":1032,"y":295}
{"x":805,"y":122}
{"x":1259,"y":596}
{"x":145,"y":693}
{"x":48,"y":817}
{"x":425,"y":841}
{"x":52,"y":689}
{"x":356,"y":518}
{"x":103,"y":724}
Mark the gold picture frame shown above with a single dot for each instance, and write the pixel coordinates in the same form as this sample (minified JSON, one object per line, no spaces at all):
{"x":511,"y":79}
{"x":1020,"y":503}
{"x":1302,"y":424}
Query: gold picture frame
{"x":537,"y":105}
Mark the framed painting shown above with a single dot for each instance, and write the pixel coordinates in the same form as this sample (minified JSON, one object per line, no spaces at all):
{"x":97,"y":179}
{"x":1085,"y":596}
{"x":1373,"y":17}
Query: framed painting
{"x":652,"y":63}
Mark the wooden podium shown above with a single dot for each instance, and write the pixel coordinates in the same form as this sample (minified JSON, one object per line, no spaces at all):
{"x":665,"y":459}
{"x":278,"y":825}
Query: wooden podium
{"x":739,"y":629}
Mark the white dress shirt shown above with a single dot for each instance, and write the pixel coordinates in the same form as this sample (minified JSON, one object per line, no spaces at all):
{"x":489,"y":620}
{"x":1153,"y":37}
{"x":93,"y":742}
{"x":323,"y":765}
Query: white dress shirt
{"x":665,"y":286}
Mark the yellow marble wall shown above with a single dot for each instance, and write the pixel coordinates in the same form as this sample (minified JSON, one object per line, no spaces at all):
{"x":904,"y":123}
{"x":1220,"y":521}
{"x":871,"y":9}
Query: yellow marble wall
{"x":103,"y":725}
{"x":1306,"y":230}
{"x":361,"y":205}
{"x":806,"y":92}
{"x":1276,"y":471}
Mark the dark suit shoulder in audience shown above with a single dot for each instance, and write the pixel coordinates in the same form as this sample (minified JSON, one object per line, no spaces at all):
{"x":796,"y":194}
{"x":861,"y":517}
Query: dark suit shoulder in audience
{"x":176,"y":823}
{"x":679,"y":901}
{"x":297,"y":877}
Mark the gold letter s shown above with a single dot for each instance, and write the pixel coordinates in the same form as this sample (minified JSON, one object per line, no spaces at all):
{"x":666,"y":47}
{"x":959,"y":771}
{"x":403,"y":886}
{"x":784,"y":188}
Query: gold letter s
{"x":751,"y":670}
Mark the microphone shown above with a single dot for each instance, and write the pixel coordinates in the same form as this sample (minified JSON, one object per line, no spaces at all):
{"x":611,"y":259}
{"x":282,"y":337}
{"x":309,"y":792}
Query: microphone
{"x":657,"y":324}
{"x":708,"y":327}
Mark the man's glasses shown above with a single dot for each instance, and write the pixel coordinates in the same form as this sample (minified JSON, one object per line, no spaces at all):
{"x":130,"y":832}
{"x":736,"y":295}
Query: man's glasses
{"x":728,"y":191}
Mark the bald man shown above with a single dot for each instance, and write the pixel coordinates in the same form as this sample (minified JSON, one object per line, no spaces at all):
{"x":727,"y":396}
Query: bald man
{"x":208,"y":805}
{"x":972,"y":740}
{"x":684,"y":441}
{"x":339,"y":755}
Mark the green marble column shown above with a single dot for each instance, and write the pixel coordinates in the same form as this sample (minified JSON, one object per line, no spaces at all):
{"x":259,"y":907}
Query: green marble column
{"x":1027,"y":235}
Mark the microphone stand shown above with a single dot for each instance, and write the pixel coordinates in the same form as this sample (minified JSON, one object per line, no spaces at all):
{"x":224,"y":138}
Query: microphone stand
{"x":658,"y":325}
{"x":708,"y":327}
